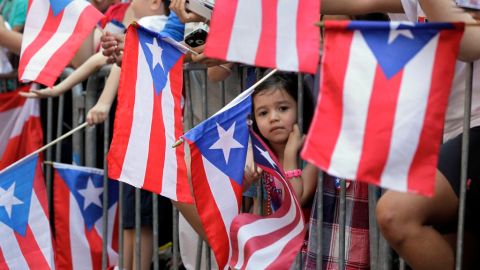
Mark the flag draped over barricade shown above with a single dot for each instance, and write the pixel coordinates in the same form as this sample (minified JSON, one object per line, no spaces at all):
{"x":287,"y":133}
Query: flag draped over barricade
{"x":54,"y":30}
{"x":275,"y":34}
{"x":149,"y":117}
{"x":383,"y":95}
{"x":25,"y":238}
{"x":78,"y":206}
{"x":218,"y":147}
{"x":273,"y":241}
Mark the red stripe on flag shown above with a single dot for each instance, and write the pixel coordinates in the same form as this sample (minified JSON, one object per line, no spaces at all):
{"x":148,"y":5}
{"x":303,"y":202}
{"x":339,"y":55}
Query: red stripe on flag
{"x":176,"y":83}
{"x":223,"y":18}
{"x":267,"y":45}
{"x":126,"y":101}
{"x":379,"y":126}
{"x":55,"y":65}
{"x":48,"y":30}
{"x":29,"y":140}
{"x":289,"y":251}
{"x":31,"y":250}
{"x":335,"y":61}
{"x":39,"y":187}
{"x":12,"y":100}
{"x":156,"y":152}
{"x":63,"y":258}
{"x":95,"y":244}
{"x":211,"y":216}
{"x":115,"y":232}
{"x":424,"y":163}
{"x":246,"y":219}
{"x":260,"y":242}
{"x":3,"y":264}
{"x":308,"y":44}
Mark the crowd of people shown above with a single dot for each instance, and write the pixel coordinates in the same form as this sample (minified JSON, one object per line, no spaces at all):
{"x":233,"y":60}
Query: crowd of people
{"x":420,"y":229}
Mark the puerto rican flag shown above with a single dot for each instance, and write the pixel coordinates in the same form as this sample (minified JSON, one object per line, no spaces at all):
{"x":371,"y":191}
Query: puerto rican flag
{"x":218,"y":147}
{"x":21,"y":129}
{"x":54,"y":30}
{"x":270,"y":242}
{"x":149,"y":117}
{"x":25,"y":238}
{"x":381,"y":109}
{"x":78,"y":206}
{"x":276,"y":34}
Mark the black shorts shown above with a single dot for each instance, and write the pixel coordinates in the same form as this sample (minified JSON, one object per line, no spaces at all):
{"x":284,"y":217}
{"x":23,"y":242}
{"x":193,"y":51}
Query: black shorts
{"x":449,"y":164}
{"x":146,"y":212}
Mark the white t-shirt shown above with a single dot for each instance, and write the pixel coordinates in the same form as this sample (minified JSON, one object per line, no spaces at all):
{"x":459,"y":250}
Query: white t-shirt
{"x":154,"y":23}
{"x":454,"y":117}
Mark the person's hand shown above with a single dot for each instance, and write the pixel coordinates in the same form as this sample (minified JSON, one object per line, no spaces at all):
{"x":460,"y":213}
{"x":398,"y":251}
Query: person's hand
{"x":178,"y":6}
{"x":98,"y":113}
{"x":294,"y":142}
{"x":251,"y":174}
{"x":41,"y":93}
{"x":113,"y":46}
{"x":201,"y":58}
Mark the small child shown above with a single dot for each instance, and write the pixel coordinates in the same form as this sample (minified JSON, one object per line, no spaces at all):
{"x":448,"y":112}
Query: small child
{"x":275,"y":120}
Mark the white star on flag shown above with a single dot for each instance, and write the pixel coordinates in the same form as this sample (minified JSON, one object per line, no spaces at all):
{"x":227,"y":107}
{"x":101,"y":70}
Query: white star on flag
{"x":394,"y":32}
{"x":7,"y":199}
{"x":267,"y":156}
{"x":156,"y":53}
{"x":91,"y":194}
{"x":226,"y":142}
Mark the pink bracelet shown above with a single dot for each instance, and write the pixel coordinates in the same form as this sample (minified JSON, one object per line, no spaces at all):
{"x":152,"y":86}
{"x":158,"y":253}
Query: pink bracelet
{"x":293,"y":173}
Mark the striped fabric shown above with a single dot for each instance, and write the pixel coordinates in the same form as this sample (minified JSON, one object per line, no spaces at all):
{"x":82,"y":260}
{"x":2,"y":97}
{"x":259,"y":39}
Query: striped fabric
{"x":270,"y":33}
{"x":149,"y":118}
{"x":78,"y":206}
{"x":54,"y":30}
{"x":384,"y":91}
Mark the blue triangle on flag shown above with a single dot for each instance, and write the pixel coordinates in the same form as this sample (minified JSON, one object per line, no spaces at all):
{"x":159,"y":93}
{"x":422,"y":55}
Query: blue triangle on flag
{"x":87,"y":189}
{"x":394,"y":44}
{"x":233,"y":124}
{"x":59,"y":5}
{"x":16,"y":186}
{"x":160,"y":55}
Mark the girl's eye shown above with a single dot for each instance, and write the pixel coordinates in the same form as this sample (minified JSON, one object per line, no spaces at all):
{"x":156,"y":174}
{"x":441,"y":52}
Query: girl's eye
{"x":262,"y":113}
{"x":283,"y":108}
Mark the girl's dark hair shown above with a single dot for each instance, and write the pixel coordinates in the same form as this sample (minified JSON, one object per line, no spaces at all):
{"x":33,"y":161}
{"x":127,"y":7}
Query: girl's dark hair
{"x":289,"y":82}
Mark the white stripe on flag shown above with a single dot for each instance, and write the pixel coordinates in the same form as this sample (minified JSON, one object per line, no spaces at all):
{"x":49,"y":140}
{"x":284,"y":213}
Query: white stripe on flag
{"x":287,"y":12}
{"x":356,"y":97}
{"x":169,"y":181}
{"x":63,"y":33}
{"x":14,"y":120}
{"x":11,"y":250}
{"x":261,"y":258}
{"x":35,"y":22}
{"x":136,"y":156}
{"x":40,"y":227}
{"x":412,"y":103}
{"x":223,"y":194}
{"x":262,"y":227}
{"x":78,"y":241}
{"x":246,"y":32}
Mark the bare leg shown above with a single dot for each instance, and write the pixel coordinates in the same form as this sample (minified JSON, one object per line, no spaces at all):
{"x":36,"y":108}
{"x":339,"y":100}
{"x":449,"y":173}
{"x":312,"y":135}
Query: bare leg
{"x":405,"y":221}
{"x":128,"y":249}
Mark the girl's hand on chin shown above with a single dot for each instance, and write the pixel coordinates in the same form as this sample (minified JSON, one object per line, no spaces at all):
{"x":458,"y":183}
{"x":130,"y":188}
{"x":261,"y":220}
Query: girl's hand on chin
{"x":295,"y":141}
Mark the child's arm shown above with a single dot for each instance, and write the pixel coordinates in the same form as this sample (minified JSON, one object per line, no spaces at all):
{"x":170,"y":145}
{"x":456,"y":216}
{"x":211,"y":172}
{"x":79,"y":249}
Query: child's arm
{"x":305,"y":184}
{"x":356,"y":7}
{"x":98,"y":113}
{"x":94,"y":63}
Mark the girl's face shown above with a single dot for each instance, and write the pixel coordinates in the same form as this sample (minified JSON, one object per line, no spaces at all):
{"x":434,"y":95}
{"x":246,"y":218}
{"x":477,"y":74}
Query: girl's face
{"x":140,"y":8}
{"x":275,"y":113}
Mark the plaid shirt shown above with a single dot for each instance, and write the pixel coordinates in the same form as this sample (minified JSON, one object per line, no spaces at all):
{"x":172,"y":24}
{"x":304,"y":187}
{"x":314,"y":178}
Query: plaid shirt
{"x":357,"y":252}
